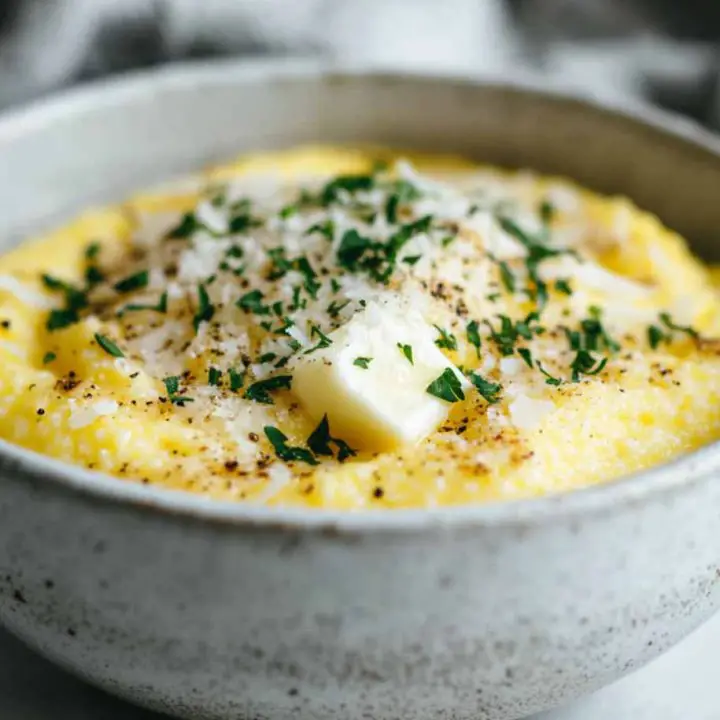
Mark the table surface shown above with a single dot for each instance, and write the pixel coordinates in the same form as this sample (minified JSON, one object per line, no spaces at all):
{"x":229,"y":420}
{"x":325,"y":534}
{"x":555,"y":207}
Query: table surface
{"x":681,"y":685}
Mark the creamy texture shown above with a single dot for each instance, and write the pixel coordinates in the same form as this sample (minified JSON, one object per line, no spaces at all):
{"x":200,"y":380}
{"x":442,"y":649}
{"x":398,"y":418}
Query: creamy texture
{"x":305,"y":328}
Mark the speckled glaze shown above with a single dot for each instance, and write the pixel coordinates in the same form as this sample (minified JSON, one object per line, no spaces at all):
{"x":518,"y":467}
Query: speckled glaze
{"x":219,"y":611}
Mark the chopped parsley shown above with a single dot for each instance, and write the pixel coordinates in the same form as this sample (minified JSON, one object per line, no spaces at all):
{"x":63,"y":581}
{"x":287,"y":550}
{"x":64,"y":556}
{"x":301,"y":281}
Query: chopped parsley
{"x":335,"y":308}
{"x":205,"y":310}
{"x":506,"y":276}
{"x":237,"y":379}
{"x":327,"y":229}
{"x":279,"y":263}
{"x":362,"y":362}
{"x":252,"y":302}
{"x":260,"y":391}
{"x":49,"y":357}
{"x":284,"y":451}
{"x":664,"y":333}
{"x":242,"y":222}
{"x":585,"y":364}
{"x":58,"y":319}
{"x":446,"y":340}
{"x":288,"y":211}
{"x":547,"y":212}
{"x":352,"y":246}
{"x":595,"y":335}
{"x":320,"y":440}
{"x":357,"y":253}
{"x":93,"y":276}
{"x":537,"y":251}
{"x":172,"y":387}
{"x":108,"y":346}
{"x":133,"y":282}
{"x":187,"y":227}
{"x":563,"y":286}
{"x":214,"y":376}
{"x":322,"y":343}
{"x":345,"y":184}
{"x":407,"y":351}
{"x":657,"y":335}
{"x":92,"y":251}
{"x":411,"y":259}
{"x":667,"y":321}
{"x":549,"y":379}
{"x":527,"y":357}
{"x":75,"y":299}
{"x":302,"y":265}
{"x":401,"y":193}
{"x":507,"y":335}
{"x":473,"y":335}
{"x":160,"y":307}
{"x":489,"y":390}
{"x":446,"y":387}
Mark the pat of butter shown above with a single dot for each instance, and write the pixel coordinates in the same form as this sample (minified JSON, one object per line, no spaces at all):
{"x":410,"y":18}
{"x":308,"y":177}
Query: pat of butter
{"x":385,"y":404}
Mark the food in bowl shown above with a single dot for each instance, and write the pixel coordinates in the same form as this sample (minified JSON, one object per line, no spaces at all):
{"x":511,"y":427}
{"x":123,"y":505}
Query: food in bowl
{"x":343,"y":328}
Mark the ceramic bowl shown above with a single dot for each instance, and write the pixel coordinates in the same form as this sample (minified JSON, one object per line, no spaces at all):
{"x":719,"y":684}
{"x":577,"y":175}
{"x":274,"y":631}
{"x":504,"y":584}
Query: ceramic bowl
{"x":205,"y":609}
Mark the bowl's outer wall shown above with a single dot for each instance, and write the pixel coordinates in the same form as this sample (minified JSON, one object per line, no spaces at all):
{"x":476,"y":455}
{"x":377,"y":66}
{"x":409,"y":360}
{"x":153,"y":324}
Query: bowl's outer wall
{"x":226,"y":620}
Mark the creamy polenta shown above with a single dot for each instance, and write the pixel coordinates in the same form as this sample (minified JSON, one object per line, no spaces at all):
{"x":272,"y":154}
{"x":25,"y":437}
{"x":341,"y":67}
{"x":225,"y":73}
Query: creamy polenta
{"x":345,"y":328}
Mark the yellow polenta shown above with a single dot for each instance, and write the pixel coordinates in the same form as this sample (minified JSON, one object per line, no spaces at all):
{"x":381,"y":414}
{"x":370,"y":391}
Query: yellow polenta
{"x":160,"y":341}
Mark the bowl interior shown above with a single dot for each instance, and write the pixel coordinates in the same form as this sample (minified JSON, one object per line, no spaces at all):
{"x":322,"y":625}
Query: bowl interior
{"x":101,"y":143}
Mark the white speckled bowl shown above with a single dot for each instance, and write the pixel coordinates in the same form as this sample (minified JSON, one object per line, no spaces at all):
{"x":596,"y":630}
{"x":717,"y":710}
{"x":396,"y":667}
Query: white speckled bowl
{"x":210,"y":610}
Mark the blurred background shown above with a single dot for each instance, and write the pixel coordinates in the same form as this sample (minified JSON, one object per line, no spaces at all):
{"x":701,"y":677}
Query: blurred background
{"x":662,"y":51}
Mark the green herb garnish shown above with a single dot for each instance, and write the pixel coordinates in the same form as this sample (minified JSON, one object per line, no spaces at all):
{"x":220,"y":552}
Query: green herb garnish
{"x":284,"y":451}
{"x":160,"y":307}
{"x":657,"y":335}
{"x":187,"y":227}
{"x":407,"y":351}
{"x":237,"y":379}
{"x":133,"y":282}
{"x":252,"y":302}
{"x":172,"y":387}
{"x":550,"y":380}
{"x":49,"y":357}
{"x":506,"y":276}
{"x":446,"y":340}
{"x":345,"y":183}
{"x":473,"y":335}
{"x":563,"y":286}
{"x":335,"y":308}
{"x":108,"y":346}
{"x":214,"y":376}
{"x":326,"y":228}
{"x":320,"y":440}
{"x":323,"y":342}
{"x":667,"y":321}
{"x":547,"y":212}
{"x":59,"y":319}
{"x":93,"y":276}
{"x":446,"y":387}
{"x":527,"y":357}
{"x":352,"y":246}
{"x":362,"y":362}
{"x":92,"y":251}
{"x":489,"y":390}
{"x":260,"y":391}
{"x":205,"y":310}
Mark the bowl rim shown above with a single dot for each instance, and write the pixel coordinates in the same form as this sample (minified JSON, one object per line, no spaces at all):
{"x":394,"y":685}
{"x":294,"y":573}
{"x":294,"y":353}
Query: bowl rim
{"x":670,"y":478}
